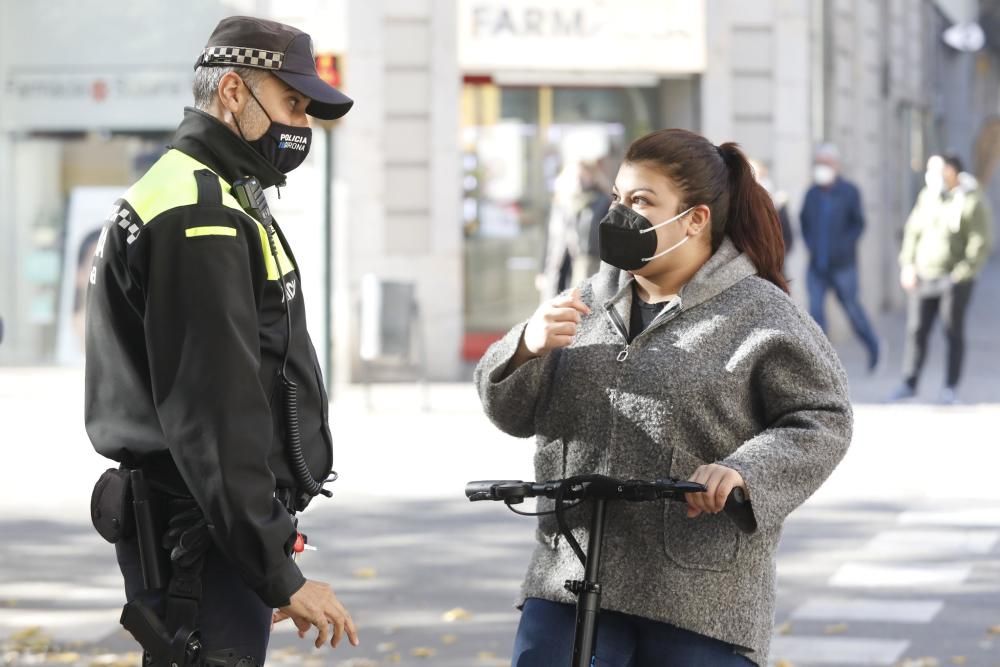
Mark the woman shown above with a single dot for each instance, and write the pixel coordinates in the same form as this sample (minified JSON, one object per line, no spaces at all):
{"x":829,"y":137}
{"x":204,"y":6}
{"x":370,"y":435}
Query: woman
{"x":682,"y":357}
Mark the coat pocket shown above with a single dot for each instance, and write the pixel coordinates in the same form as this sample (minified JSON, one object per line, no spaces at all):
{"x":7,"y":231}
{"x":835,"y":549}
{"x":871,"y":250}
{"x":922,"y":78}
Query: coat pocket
{"x":550,"y":463}
{"x":707,"y":542}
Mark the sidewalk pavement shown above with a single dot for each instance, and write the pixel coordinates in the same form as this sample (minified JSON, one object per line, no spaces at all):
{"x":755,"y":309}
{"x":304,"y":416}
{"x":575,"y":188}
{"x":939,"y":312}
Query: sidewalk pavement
{"x":401,"y":543}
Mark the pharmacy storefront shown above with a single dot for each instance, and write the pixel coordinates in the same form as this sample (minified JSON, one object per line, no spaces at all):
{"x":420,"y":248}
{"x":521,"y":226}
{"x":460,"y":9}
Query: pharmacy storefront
{"x":548,"y":86}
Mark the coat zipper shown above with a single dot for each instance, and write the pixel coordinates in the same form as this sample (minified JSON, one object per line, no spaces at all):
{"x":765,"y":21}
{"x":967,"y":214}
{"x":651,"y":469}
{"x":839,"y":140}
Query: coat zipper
{"x":616,"y":319}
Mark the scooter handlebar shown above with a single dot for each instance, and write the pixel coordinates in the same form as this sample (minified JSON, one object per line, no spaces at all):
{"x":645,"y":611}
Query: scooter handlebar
{"x":511,"y":491}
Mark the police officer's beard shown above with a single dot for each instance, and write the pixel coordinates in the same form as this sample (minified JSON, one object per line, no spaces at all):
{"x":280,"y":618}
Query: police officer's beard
{"x":252,"y":123}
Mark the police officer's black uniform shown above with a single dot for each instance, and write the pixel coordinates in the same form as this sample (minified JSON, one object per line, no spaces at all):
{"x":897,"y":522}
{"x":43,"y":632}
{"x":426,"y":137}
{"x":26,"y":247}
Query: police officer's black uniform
{"x":186,"y":337}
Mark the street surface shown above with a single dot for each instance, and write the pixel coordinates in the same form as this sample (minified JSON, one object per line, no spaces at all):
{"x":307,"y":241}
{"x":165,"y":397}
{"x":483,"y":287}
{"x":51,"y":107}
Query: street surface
{"x":895,"y":561}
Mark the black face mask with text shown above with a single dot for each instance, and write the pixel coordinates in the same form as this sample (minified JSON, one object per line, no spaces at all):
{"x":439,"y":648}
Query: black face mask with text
{"x":284,"y":146}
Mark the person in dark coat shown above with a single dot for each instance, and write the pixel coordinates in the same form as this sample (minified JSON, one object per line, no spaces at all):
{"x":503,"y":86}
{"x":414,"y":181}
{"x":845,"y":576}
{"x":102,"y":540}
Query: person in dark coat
{"x":832,"y":223}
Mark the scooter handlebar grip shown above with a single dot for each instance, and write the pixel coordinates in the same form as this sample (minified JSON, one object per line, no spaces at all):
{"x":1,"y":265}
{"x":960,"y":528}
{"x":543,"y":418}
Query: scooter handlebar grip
{"x":486,"y":489}
{"x":739,"y":509}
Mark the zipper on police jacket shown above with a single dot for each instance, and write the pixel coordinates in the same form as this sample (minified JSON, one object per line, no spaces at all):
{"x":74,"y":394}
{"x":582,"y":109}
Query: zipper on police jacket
{"x":616,"y":319}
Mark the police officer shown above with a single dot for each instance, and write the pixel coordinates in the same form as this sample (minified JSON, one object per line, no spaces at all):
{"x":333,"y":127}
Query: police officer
{"x":200,"y":371}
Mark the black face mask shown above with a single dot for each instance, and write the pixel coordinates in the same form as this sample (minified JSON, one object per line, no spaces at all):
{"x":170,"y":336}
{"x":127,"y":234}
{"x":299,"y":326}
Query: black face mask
{"x":628,"y":240}
{"x":284,"y":146}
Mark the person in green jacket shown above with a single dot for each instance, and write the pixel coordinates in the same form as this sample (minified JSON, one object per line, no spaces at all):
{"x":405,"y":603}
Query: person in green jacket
{"x":946,"y":242}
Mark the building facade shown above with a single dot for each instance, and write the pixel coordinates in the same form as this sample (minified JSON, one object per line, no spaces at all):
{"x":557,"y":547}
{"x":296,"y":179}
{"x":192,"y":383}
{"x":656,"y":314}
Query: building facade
{"x":468,"y":111}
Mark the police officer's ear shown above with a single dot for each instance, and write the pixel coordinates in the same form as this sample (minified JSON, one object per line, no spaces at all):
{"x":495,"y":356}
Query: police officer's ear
{"x":232,"y":93}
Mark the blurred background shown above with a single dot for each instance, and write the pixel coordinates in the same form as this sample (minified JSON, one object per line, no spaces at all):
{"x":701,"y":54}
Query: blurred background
{"x":423,"y":226}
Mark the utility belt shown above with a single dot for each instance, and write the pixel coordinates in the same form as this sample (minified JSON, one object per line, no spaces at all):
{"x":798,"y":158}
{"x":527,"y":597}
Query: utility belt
{"x":125,"y":505}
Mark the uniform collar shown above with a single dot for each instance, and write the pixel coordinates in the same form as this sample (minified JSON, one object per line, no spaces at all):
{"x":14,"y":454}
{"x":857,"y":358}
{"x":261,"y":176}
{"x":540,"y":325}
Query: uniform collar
{"x":208,"y":140}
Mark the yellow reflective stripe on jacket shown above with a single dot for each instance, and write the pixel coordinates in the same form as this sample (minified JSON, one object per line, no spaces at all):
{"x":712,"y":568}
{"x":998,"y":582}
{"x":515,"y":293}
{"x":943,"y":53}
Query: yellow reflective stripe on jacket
{"x":170,"y":183}
{"x":192,"y":232}
{"x":283,"y":260}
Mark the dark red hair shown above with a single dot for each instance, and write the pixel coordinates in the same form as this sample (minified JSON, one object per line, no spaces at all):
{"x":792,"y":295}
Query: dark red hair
{"x":721,"y":178}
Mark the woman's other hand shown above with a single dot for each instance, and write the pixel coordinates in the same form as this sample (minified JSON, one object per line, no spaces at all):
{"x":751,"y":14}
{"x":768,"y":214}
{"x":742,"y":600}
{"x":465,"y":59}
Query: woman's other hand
{"x":719,"y":482}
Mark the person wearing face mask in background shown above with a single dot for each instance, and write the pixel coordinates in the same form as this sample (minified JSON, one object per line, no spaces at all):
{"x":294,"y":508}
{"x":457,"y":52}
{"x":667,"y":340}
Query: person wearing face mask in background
{"x":832,"y":223}
{"x":946,"y":242}
{"x":683,"y":357}
{"x":571,"y":239}
{"x":780,"y":200}
{"x":195,"y":330}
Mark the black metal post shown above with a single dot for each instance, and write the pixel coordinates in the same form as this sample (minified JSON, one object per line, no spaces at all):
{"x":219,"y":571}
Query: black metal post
{"x":328,"y":263}
{"x":588,"y":602}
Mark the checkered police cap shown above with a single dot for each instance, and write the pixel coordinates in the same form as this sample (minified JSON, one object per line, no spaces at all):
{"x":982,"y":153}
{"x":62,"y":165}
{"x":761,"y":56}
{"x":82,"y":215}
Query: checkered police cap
{"x":235,"y":55}
{"x":281,"y":49}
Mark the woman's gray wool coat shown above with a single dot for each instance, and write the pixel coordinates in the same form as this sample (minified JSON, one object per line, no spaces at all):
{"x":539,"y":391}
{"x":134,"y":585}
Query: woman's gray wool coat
{"x":731,"y":372}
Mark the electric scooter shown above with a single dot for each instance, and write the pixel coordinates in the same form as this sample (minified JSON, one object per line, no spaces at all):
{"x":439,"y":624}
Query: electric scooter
{"x":600,"y":490}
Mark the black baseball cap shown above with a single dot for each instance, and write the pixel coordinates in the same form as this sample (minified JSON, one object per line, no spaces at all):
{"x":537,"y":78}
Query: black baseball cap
{"x":282,"y":50}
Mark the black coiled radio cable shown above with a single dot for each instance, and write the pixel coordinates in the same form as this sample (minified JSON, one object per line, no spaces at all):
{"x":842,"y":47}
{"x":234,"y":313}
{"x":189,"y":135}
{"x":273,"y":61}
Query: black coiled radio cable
{"x":296,"y":458}
{"x":250,"y":195}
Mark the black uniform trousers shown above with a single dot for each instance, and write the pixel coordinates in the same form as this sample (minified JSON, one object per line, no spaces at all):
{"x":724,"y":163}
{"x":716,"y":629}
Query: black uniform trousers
{"x":922,"y":309}
{"x":232,"y":615}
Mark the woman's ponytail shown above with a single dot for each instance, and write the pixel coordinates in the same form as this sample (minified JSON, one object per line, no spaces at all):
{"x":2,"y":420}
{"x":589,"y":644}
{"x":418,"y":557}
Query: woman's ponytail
{"x":752,"y":221}
{"x":722,"y":178}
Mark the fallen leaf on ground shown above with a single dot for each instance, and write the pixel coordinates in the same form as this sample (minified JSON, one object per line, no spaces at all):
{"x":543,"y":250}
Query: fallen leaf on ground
{"x":365,"y":573}
{"x":836,"y":629}
{"x":783,"y":663}
{"x":448,"y":640}
{"x":959,"y":660}
{"x":385,"y":647}
{"x":783,"y":629}
{"x":921,"y":662}
{"x":30,"y":639}
{"x":456,"y":614}
{"x":423,"y":652}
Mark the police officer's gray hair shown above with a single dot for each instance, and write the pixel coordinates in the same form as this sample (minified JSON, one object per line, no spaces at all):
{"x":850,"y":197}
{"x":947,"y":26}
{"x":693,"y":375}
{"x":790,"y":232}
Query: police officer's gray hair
{"x":206,"y":82}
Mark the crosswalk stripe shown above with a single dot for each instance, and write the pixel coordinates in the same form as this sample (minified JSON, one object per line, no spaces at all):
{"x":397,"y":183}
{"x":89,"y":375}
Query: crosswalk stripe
{"x":872,"y":575}
{"x":69,"y":624}
{"x":867,"y":609}
{"x":931,"y":543}
{"x":987,"y":517}
{"x":837,"y":650}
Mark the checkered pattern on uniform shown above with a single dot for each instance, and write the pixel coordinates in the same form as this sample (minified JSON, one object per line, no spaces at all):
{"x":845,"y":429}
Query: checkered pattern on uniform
{"x":120,"y":216}
{"x":237,"y":55}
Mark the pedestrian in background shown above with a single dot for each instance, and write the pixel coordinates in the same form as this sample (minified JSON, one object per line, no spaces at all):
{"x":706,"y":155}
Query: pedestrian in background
{"x":780,"y":200}
{"x":946,"y":242}
{"x":832,"y":223}
{"x":683,"y":357}
{"x":572,"y":246}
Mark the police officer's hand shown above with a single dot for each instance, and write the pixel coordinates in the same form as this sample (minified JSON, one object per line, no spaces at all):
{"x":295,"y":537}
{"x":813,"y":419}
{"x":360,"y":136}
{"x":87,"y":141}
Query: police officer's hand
{"x":719,"y":481}
{"x":315,"y":605}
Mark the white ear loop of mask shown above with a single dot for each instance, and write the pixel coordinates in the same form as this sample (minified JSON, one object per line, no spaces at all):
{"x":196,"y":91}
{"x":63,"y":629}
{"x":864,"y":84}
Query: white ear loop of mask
{"x":667,"y":222}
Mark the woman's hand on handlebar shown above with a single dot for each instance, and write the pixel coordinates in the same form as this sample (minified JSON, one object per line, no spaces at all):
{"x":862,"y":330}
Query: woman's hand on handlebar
{"x":719,"y":482}
{"x":552,"y":326}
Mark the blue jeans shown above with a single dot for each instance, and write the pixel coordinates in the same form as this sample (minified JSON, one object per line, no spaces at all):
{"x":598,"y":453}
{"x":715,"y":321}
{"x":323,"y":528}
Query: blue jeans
{"x":844,"y":283}
{"x":545,"y":639}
